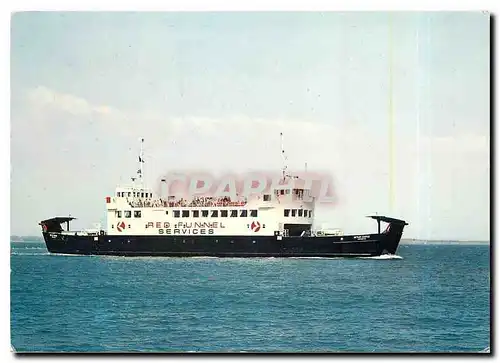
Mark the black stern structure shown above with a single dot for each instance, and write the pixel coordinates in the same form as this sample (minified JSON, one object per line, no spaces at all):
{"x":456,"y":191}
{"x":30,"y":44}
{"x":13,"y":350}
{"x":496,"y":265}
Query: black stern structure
{"x":54,"y":224}
{"x":392,"y":234}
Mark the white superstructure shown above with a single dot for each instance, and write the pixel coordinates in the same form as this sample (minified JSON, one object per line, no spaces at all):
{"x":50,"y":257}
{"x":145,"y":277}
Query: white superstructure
{"x":136,"y":210}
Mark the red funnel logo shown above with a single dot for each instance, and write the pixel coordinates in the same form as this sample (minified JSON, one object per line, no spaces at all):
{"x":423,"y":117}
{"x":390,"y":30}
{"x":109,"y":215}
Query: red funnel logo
{"x":120,"y":226}
{"x":255,"y":226}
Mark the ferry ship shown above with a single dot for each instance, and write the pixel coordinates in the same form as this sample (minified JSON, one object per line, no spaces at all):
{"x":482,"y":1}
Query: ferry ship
{"x":277,"y":223}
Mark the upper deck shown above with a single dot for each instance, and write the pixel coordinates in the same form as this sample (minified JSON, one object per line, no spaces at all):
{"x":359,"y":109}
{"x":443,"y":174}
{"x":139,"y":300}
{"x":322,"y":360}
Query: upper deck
{"x":145,"y":198}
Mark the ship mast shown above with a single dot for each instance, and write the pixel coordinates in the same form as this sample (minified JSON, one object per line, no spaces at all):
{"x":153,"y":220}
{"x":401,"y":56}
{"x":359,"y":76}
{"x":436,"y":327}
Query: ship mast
{"x":285,"y":166}
{"x":141,"y":165}
{"x":283,"y":171}
{"x":141,"y":161}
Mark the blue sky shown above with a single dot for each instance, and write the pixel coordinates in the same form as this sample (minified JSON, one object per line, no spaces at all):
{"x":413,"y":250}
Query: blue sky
{"x":213,"y":90}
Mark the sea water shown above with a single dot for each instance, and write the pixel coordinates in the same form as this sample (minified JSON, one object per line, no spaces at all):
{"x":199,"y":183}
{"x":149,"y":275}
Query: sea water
{"x":428,"y":298}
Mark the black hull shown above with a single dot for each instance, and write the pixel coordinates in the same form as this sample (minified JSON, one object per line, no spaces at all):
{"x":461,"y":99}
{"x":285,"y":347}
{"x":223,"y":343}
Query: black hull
{"x":226,"y":246}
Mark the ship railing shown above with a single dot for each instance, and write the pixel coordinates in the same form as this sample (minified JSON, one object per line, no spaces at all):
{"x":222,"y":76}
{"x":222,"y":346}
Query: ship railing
{"x":90,"y":232}
{"x":159,"y":203}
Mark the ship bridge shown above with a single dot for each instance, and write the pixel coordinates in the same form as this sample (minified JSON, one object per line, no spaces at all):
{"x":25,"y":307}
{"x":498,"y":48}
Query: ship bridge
{"x":133,"y":192}
{"x":129,"y":195}
{"x":293,"y":204}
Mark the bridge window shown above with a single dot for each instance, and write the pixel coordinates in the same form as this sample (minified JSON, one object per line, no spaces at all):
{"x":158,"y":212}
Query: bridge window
{"x":204,"y":213}
{"x":215,"y":214}
{"x":310,"y":213}
{"x":282,"y":191}
{"x":287,"y":212}
{"x":128,"y":214}
{"x":196,"y":213}
{"x":118,"y":214}
{"x":300,"y":212}
{"x":294,"y":212}
{"x":234,"y":213}
{"x":223,"y":213}
{"x":288,"y":191}
{"x":299,"y":193}
{"x":137,"y":214}
{"x":177,"y":214}
{"x":185,"y":214}
{"x":267,"y":197}
{"x":253,"y":213}
{"x":243,"y":213}
{"x":129,"y":194}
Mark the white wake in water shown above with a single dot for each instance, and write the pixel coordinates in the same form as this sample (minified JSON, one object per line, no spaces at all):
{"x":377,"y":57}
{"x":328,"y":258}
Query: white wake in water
{"x":384,"y":257}
{"x":315,"y":258}
{"x":29,"y":254}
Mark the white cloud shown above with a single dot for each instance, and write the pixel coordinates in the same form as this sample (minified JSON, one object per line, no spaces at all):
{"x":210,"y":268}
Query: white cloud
{"x":46,"y":98}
